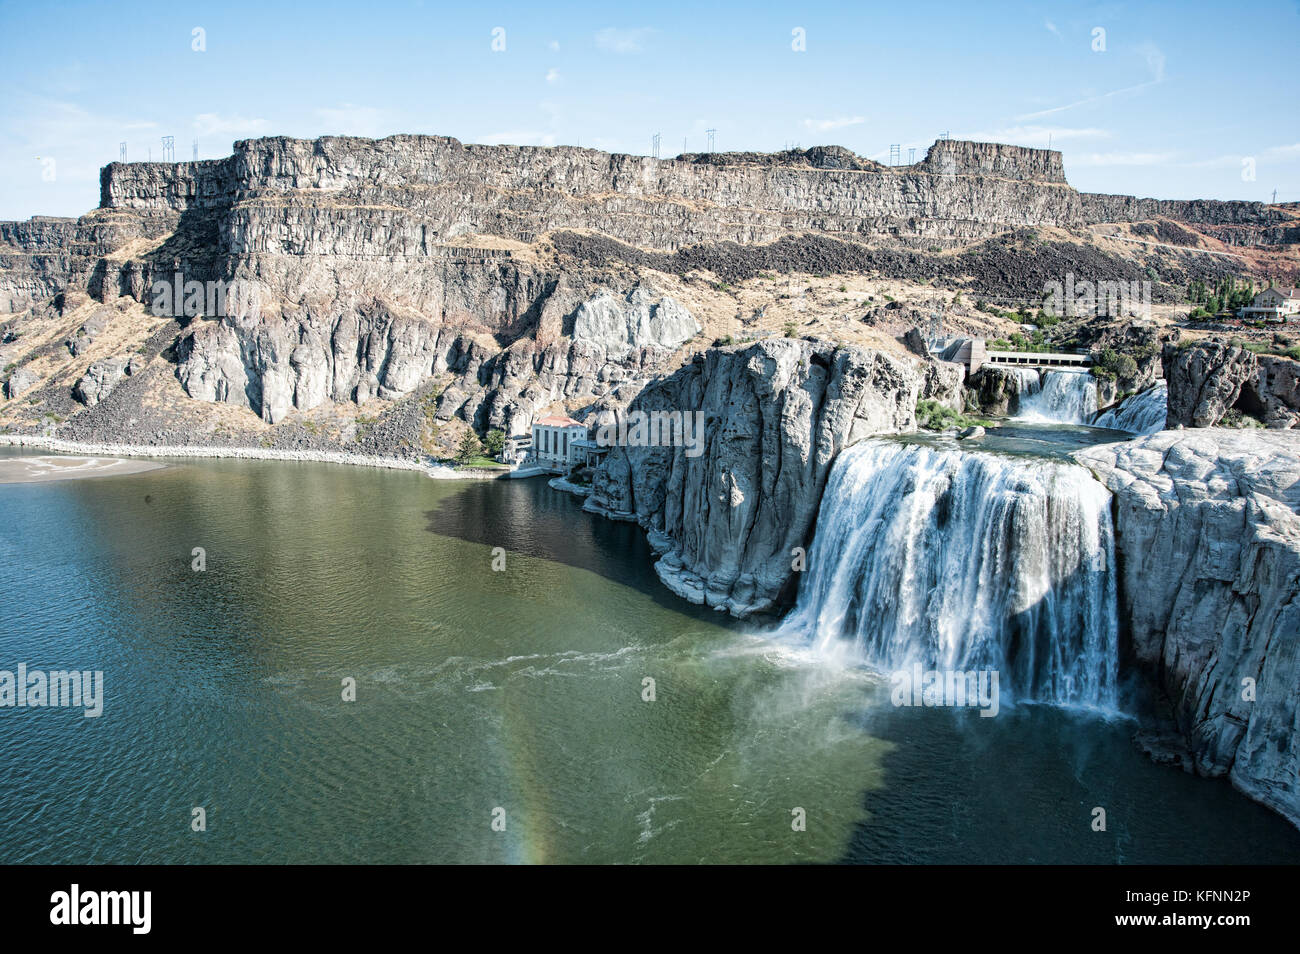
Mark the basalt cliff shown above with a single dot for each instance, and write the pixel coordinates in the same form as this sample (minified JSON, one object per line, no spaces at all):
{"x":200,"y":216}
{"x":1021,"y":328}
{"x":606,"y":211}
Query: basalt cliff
{"x":413,"y":289}
{"x":415,"y":286}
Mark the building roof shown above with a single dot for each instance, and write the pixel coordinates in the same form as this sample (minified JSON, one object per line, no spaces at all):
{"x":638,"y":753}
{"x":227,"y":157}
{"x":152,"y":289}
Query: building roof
{"x":1291,"y":294}
{"x":560,"y":421}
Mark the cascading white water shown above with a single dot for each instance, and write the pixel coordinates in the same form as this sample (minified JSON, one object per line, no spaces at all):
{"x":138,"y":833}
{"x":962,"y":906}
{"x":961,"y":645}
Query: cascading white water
{"x":966,"y":561}
{"x":1066,"y":397}
{"x":1027,"y":380}
{"x":1143,"y":413}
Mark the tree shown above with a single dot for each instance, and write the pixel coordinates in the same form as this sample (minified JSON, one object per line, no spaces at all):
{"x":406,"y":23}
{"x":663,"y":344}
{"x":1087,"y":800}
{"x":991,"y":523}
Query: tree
{"x":494,"y":443}
{"x":469,"y":447}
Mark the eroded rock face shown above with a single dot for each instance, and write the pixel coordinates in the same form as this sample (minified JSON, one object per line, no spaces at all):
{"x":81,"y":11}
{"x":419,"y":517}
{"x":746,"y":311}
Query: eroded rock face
{"x":1211,"y":378}
{"x":994,"y":390}
{"x":1208,"y":544}
{"x":19,"y":382}
{"x":639,"y":319}
{"x":273,"y":364}
{"x":1205,"y":381}
{"x":100,"y":378}
{"x":776,"y":413}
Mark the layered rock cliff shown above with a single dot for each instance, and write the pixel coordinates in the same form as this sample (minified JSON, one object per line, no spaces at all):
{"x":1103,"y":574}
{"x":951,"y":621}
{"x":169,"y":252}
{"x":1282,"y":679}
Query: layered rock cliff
{"x":1208,"y":545}
{"x":727,"y":522}
{"x":1211,"y":380}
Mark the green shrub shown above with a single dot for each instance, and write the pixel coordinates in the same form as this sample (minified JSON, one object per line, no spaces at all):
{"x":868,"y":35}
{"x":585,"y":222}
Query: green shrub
{"x":933,"y":416}
{"x":494,"y":442}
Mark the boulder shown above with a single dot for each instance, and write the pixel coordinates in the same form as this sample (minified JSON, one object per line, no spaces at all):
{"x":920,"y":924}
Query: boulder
{"x":99,"y":380}
{"x":19,"y":382}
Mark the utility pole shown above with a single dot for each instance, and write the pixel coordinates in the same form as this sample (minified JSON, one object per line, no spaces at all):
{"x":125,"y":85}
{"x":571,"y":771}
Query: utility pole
{"x":894,"y":156}
{"x":121,"y":151}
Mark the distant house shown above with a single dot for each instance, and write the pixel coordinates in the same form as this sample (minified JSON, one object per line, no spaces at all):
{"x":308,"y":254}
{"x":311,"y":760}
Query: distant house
{"x":554,"y":439}
{"x":1272,"y":304}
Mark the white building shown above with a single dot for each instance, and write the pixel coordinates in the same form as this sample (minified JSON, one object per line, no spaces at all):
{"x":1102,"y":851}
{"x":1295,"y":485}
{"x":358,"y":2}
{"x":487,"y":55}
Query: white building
{"x":554,"y":439}
{"x":1272,"y":304}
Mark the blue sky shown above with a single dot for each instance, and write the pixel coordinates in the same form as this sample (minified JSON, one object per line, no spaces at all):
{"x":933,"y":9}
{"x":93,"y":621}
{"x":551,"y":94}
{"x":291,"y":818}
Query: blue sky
{"x":1179,"y":98}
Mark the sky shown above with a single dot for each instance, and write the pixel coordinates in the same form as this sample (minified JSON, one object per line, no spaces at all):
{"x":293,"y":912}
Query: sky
{"x":1172,"y":100}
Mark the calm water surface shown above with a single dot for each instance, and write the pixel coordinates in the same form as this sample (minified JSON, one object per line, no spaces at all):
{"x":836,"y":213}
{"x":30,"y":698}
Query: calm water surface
{"x":476,"y":690}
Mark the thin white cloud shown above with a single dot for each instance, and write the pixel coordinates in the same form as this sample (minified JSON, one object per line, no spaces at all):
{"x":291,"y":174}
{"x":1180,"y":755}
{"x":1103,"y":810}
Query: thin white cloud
{"x":1283,"y":153}
{"x":1037,"y":135}
{"x":1052,"y":28}
{"x":553,"y":46}
{"x":1155,"y":60}
{"x":623,"y":40}
{"x":1123,"y":159}
{"x":1085,"y":102}
{"x":237,"y":127}
{"x":826,"y":125}
{"x":552,"y":76}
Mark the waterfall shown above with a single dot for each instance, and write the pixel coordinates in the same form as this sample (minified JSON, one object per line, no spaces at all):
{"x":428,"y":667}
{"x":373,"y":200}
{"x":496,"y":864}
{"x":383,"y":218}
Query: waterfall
{"x":965,"y":562}
{"x":1066,"y":397}
{"x":1027,"y":380}
{"x":1143,"y":413}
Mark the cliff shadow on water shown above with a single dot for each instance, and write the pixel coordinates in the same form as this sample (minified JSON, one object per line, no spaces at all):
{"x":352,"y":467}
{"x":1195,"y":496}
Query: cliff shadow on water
{"x":529,"y":518}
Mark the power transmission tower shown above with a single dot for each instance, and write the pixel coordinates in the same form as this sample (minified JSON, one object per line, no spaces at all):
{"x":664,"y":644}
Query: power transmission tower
{"x":712,"y":133}
{"x":169,"y":148}
{"x":1275,"y":197}
{"x":894,"y":155}
{"x":654,"y":145}
{"x":911,"y":155}
{"x":943,"y":135}
{"x":196,"y":150}
{"x":121,"y":150}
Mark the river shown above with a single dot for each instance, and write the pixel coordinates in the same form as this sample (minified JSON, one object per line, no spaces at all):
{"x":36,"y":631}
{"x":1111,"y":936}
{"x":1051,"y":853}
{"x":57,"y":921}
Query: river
{"x":500,"y":715}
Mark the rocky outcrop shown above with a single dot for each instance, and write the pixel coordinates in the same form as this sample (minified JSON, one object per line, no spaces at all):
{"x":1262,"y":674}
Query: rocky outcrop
{"x":1209,"y":379}
{"x":19,"y":382}
{"x":301,"y":360}
{"x":727,"y":522}
{"x":100,"y":379}
{"x":639,"y":319}
{"x":1208,"y":544}
{"x":996,"y":391}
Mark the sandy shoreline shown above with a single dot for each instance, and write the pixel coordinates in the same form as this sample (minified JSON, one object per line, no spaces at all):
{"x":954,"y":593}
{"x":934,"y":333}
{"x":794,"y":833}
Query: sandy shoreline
{"x":437,"y":471}
{"x":40,"y":470}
